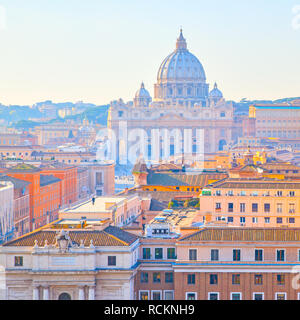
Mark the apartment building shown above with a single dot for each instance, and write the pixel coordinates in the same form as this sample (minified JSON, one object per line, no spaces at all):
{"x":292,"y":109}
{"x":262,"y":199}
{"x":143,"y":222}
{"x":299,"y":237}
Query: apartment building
{"x":44,"y":193}
{"x":260,"y":202}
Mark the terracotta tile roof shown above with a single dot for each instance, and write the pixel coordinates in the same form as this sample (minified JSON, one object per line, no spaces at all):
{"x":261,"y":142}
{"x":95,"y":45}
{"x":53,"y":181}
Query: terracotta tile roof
{"x":110,"y":236}
{"x":244,"y":234}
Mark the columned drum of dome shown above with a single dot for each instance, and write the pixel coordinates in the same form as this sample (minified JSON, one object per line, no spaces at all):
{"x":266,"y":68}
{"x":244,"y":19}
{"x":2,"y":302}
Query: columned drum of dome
{"x":181,"y":78}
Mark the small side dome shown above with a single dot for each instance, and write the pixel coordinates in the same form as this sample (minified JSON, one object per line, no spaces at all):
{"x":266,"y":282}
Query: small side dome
{"x":142,"y":97}
{"x":216,"y":93}
{"x":142,"y":92}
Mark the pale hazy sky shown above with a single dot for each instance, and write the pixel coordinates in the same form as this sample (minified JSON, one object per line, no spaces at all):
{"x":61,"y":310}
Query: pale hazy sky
{"x":97,"y":51}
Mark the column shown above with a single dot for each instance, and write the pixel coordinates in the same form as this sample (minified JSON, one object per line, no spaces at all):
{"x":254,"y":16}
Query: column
{"x":91,"y":292}
{"x":35,"y":293}
{"x":46,"y":293}
{"x":81,"y":293}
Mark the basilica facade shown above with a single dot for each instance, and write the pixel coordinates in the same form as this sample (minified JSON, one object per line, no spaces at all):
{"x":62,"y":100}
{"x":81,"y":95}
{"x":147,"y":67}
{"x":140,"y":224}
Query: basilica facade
{"x":182,"y":100}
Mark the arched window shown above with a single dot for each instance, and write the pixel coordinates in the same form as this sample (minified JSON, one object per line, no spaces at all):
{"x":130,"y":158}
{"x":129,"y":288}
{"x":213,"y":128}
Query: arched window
{"x":64,"y":296}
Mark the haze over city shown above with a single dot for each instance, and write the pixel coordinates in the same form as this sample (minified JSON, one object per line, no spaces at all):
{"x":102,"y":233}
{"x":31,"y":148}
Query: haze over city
{"x":97,"y":51}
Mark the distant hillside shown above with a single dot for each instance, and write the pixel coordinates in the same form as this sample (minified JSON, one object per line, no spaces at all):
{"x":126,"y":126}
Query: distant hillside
{"x":96,"y":114}
{"x":18,"y":113}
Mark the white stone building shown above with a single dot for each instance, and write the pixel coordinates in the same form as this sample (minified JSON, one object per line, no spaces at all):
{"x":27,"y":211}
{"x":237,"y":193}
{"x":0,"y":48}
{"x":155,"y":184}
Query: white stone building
{"x":6,"y":210}
{"x":79,"y":263}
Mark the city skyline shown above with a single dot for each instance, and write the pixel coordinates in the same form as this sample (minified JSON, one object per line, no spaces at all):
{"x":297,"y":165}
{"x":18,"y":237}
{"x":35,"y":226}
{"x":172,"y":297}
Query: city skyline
{"x":253,"y":60}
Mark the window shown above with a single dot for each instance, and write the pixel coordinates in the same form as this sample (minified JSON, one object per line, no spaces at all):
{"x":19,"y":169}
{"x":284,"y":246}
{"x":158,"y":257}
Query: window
{"x":280,"y":255}
{"x":169,"y":277}
{"x":236,"y":255}
{"x":267,"y":207}
{"x":279,"y":220}
{"x":280,"y":279}
{"x":156,"y":295}
{"x":144,"y":277}
{"x":193,"y":254}
{"x":230,"y":207}
{"x":254,"y":220}
{"x":254,"y":207}
{"x":191,"y":296}
{"x":242,"y":207}
{"x":214,"y":255}
{"x":111,"y":260}
{"x":230,"y":219}
{"x":18,"y":261}
{"x":279,"y":207}
{"x":267,"y":220}
{"x":169,"y":295}
{"x":218,"y":206}
{"x":158,"y":253}
{"x":242,"y":220}
{"x":292,"y":193}
{"x":258,"y":296}
{"x":171,"y":253}
{"x":279,"y":193}
{"x":120,"y":114}
{"x":291,"y":220}
{"x":236,"y":296}
{"x":146,"y":253}
{"x":280,"y":296}
{"x":258,"y":255}
{"x":291,"y":207}
{"x":156,"y":277}
{"x":258,"y":279}
{"x":191,"y":278}
{"x":236,"y":279}
{"x":144,"y":295}
{"x":213,"y":279}
{"x":213,"y":296}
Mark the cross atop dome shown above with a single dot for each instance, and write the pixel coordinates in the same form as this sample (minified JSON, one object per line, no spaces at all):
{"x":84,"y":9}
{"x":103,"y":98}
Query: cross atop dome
{"x":181,"y":42}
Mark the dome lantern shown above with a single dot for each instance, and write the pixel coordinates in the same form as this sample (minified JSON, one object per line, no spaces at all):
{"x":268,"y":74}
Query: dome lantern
{"x":181,"y":42}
